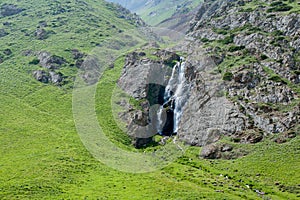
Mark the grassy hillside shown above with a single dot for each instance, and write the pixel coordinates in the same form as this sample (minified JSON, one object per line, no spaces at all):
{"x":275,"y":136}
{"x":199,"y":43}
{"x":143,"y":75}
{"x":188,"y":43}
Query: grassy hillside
{"x":42,"y":156}
{"x":154,"y":12}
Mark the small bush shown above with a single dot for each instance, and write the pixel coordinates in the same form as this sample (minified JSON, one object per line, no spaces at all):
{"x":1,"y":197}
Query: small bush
{"x":235,"y":48}
{"x":221,"y":31}
{"x":247,"y":10}
{"x":280,"y":8}
{"x":227,"y":76}
{"x":263,"y":57}
{"x":204,"y":40}
{"x":297,"y":72}
{"x":227,"y":40}
{"x":277,"y":3}
{"x":35,"y":61}
{"x":277,"y":33}
{"x":277,"y":78}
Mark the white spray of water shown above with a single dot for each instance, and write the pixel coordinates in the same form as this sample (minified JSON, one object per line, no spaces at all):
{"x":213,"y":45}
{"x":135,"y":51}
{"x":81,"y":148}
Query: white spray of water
{"x":177,"y":91}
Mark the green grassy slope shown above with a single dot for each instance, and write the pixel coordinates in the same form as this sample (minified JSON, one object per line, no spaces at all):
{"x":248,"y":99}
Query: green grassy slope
{"x":42,"y":156}
{"x":154,"y":12}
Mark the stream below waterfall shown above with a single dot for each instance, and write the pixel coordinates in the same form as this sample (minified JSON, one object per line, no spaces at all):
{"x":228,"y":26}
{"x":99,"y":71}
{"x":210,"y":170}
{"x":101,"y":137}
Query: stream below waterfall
{"x":175,"y":96}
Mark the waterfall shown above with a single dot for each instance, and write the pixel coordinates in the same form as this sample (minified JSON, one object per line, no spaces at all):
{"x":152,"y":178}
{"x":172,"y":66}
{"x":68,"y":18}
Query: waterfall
{"x":175,"y":96}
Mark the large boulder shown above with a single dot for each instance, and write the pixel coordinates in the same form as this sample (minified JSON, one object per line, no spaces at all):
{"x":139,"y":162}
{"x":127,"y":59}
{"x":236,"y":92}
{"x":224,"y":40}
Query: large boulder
{"x":216,"y":151}
{"x":211,"y":151}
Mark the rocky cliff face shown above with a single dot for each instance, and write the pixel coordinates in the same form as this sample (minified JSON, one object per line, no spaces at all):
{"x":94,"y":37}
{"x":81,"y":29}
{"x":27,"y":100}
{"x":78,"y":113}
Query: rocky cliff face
{"x":145,"y":80}
{"x":253,"y":46}
{"x":243,"y":70}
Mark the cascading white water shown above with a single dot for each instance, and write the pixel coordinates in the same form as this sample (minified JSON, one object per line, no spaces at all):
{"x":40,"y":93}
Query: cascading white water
{"x":175,"y":96}
{"x":180,"y":96}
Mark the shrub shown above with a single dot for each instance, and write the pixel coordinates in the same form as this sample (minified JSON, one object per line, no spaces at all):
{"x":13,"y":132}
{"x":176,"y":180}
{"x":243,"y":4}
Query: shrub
{"x":277,"y":78}
{"x":235,"y":48}
{"x":227,"y":76}
{"x":277,"y":3}
{"x":35,"y":61}
{"x":280,"y":8}
{"x":221,"y":31}
{"x":227,"y":40}
{"x":247,"y":10}
{"x":204,"y":40}
{"x":277,"y":33}
{"x":263,"y":57}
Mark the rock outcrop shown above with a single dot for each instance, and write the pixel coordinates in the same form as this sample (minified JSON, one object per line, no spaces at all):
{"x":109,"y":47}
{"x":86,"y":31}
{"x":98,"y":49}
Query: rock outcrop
{"x":50,"y":63}
{"x":144,"y":79}
{"x":48,"y":77}
{"x":261,"y":92}
{"x":243,"y":74}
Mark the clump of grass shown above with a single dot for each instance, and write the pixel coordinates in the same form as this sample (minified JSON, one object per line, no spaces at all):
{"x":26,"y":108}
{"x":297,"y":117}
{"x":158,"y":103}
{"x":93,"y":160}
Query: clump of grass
{"x":34,"y":61}
{"x":236,"y":48}
{"x":227,"y":40}
{"x":223,"y":31}
{"x":279,"y":6}
{"x":263,"y":57}
{"x":227,"y":76}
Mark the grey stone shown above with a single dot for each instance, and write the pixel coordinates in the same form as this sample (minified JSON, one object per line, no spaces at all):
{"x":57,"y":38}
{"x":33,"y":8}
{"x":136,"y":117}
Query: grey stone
{"x":41,"y":34}
{"x":55,"y":78}
{"x":211,"y":151}
{"x":41,"y":75}
{"x":50,"y":61}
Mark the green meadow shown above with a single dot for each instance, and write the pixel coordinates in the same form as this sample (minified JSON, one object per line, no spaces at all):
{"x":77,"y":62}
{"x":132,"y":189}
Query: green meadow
{"x":42,"y":155}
